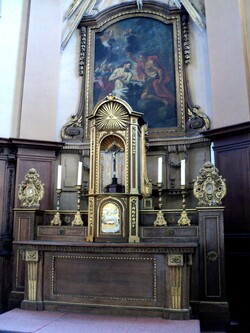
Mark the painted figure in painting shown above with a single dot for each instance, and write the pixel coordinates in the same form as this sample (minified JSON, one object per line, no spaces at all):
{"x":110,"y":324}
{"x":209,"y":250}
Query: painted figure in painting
{"x":156,"y":80}
{"x":121,"y":76}
{"x":146,"y":78}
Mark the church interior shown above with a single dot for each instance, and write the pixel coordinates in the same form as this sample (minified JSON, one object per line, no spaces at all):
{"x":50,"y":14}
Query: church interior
{"x":125,"y":159}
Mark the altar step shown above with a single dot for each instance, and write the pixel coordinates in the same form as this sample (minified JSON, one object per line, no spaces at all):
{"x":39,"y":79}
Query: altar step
{"x":24,"y":321}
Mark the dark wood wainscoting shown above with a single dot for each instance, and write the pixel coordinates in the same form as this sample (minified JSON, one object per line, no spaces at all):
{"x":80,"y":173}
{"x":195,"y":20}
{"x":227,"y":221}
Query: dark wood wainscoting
{"x":232,"y":158}
{"x":17,"y":156}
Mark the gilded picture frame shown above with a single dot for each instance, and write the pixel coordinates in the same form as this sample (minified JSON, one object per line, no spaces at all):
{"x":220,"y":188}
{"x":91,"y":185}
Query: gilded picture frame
{"x":137,"y":56}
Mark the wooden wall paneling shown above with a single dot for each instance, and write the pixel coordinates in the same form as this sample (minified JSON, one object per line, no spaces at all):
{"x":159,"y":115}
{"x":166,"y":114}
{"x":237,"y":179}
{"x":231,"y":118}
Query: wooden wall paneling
{"x":232,"y":158}
{"x":25,"y":227}
{"x":40,"y":155}
{"x":234,"y":164}
{"x":235,"y":152}
{"x":7,"y":190}
{"x":212,"y":297}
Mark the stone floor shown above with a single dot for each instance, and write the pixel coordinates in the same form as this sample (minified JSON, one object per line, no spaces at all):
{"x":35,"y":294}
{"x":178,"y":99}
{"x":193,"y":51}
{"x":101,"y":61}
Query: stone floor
{"x":22,"y":321}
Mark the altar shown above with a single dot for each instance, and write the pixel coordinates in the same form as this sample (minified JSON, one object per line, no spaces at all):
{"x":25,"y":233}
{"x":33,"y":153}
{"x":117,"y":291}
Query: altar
{"x":129,"y":279}
{"x":121,"y":255}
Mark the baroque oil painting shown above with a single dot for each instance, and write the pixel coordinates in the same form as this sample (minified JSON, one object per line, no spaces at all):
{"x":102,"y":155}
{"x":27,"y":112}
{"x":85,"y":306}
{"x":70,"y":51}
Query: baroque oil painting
{"x":134,"y":60}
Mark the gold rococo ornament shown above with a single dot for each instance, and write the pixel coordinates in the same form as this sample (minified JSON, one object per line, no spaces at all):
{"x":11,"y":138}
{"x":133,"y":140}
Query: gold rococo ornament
{"x":209,"y":186}
{"x":31,"y":190}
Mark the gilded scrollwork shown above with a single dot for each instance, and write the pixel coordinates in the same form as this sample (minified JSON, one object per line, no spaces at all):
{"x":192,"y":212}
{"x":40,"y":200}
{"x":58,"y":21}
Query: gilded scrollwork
{"x":31,"y":190}
{"x":185,"y":39}
{"x":197,"y":120}
{"x":73,"y":129}
{"x":82,"y":50}
{"x":209,"y":186}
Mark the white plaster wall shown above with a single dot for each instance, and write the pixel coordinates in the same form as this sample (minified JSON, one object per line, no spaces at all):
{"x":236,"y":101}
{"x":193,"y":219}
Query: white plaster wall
{"x":69,"y":80}
{"x":41,"y":79}
{"x":227,"y":62}
{"x":13,"y":24}
{"x":198,"y":70}
{"x":246,"y":14}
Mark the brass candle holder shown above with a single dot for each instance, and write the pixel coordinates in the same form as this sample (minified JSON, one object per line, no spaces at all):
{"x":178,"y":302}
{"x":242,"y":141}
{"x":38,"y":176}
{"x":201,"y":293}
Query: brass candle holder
{"x":160,"y":221}
{"x":78,"y":219}
{"x":57,"y":219}
{"x":183,"y":220}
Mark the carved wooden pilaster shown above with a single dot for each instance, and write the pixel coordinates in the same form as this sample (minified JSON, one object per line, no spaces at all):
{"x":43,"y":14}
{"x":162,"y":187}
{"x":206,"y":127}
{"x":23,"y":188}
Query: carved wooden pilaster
{"x":134,"y":217}
{"x":31,"y":257}
{"x":178,"y":285}
{"x":33,"y":295}
{"x":175,"y":263}
{"x":25,"y":226}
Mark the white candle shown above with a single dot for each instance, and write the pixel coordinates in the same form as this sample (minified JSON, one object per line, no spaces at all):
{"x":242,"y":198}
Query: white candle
{"x":79,"y":175}
{"x":212,"y":160}
{"x":183,"y":177}
{"x":159,"y":169}
{"x":59,"y":177}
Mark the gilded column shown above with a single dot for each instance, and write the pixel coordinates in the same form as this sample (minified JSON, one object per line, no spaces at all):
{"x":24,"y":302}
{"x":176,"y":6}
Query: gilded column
{"x":31,"y":257}
{"x":175,"y":263}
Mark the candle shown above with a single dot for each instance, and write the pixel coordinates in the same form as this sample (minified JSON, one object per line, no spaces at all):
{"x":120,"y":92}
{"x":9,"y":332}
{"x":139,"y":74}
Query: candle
{"x":183,"y":178}
{"x":159,"y":169}
{"x":79,"y":175}
{"x":212,"y":153}
{"x":59,"y":177}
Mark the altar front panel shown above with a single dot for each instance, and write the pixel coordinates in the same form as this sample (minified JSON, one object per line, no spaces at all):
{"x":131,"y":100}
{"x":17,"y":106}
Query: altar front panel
{"x":118,"y":279}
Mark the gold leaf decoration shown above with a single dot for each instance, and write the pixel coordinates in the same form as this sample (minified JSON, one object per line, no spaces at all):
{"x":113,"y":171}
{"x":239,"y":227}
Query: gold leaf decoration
{"x":111,"y":116}
{"x":209,"y":187}
{"x":31,"y":190}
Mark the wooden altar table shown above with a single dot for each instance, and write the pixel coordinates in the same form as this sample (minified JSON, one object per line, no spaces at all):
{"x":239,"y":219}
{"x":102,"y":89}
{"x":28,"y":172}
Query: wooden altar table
{"x":112,"y":278}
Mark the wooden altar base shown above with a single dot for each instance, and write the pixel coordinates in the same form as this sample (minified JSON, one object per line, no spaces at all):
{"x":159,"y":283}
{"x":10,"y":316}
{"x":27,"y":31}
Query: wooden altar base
{"x":25,"y":321}
{"x":132,"y":279}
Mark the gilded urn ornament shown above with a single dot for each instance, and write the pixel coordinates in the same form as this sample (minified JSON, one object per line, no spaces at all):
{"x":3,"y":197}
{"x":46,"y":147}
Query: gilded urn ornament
{"x":31,"y":190}
{"x":209,"y":186}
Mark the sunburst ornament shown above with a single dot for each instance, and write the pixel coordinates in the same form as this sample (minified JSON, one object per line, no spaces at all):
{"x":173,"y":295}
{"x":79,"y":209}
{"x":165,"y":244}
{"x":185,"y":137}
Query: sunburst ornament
{"x":112,"y":116}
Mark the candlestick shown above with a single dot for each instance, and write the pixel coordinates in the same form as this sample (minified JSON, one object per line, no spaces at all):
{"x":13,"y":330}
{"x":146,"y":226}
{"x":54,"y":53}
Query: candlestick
{"x":159,"y":169}
{"x":183,"y":220}
{"x":79,"y":175}
{"x":59,"y":177}
{"x":57,"y":220}
{"x":160,"y":221}
{"x":77,"y":219}
{"x":183,"y":175}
